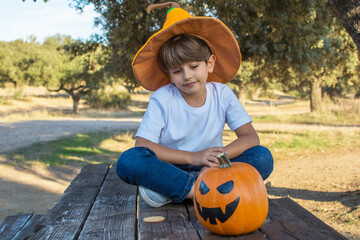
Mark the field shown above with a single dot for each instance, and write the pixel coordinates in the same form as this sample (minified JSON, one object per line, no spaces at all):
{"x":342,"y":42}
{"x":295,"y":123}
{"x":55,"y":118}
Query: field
{"x":317,"y":156}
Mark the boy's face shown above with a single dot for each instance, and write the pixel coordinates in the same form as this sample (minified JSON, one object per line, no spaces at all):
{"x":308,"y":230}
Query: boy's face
{"x":190,"y":78}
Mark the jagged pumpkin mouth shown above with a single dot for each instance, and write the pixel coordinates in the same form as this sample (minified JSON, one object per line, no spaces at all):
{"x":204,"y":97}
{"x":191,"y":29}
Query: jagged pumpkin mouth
{"x":216,"y":213}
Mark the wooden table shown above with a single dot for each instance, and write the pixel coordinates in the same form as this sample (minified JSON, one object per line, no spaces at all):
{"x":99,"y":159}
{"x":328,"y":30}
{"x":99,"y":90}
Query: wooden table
{"x":98,"y":205}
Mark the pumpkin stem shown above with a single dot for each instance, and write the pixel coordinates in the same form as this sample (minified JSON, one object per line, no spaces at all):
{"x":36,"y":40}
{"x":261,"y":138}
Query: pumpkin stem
{"x":161,"y":5}
{"x":224,"y":161}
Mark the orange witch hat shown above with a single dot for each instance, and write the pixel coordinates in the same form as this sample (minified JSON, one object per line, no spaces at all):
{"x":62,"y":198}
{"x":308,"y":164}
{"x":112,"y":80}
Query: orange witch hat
{"x":213,"y":31}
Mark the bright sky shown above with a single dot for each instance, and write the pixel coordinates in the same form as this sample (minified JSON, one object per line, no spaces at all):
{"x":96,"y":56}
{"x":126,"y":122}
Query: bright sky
{"x":19,"y":20}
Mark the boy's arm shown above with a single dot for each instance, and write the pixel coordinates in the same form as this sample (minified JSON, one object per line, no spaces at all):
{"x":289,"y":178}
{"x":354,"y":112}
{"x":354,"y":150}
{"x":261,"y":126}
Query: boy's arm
{"x":246,"y":138}
{"x":206,"y":157}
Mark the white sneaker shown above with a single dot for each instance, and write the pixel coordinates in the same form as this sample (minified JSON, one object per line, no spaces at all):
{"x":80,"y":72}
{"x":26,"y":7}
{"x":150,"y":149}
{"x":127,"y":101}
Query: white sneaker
{"x":154,"y":199}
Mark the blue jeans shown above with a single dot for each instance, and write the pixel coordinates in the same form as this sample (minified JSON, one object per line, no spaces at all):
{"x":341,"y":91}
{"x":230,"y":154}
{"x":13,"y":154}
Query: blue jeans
{"x":140,"y":166}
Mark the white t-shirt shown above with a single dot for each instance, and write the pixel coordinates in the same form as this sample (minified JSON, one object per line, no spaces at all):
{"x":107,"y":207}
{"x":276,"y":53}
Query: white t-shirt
{"x":171,"y":122}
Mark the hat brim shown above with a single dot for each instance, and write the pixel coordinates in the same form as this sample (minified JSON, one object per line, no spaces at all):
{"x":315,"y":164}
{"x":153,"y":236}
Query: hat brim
{"x":213,"y":31}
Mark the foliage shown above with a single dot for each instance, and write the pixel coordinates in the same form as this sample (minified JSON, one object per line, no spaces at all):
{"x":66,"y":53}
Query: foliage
{"x":275,"y":43}
{"x":82,"y":70}
{"x":318,"y":51}
{"x":127,"y":27}
{"x":24,"y":63}
{"x":60,"y":64}
{"x":104,"y":100}
{"x":298,"y":43}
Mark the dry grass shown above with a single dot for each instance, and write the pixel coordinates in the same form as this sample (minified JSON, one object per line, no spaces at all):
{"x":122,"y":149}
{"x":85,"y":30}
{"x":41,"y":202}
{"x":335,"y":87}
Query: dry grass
{"x":343,"y":106}
{"x":52,"y":106}
{"x":297,"y":107}
{"x":119,"y":142}
{"x":39,"y":104}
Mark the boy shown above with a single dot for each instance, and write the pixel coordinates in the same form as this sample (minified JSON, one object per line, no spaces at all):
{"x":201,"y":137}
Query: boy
{"x":181,"y":131}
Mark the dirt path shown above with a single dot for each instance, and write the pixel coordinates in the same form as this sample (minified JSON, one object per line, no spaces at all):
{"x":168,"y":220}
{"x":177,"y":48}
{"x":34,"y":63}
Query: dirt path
{"x":22,"y":134}
{"x":328,"y":186}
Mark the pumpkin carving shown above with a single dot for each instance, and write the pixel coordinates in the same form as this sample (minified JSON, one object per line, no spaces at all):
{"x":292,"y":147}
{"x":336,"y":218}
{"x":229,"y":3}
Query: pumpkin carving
{"x":230,"y":199}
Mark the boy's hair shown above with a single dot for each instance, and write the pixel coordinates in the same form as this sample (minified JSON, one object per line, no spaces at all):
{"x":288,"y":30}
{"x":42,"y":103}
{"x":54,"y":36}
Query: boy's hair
{"x":181,"y":49}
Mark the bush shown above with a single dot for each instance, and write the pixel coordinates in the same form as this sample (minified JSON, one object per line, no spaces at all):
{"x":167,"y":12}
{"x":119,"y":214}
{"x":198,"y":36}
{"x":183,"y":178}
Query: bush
{"x":108,"y":100}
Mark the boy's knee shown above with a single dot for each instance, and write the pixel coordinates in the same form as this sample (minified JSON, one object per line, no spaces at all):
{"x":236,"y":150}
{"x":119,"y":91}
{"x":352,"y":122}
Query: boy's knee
{"x":132,"y":162}
{"x":128,"y":161}
{"x":123,"y":164}
{"x":266,"y":160}
{"x":264,"y":153}
{"x":261,"y":158}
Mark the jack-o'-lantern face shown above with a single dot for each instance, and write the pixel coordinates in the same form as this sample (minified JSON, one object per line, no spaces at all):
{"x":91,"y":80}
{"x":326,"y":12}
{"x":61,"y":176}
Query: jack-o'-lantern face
{"x":217,"y":213}
{"x":231,"y":201}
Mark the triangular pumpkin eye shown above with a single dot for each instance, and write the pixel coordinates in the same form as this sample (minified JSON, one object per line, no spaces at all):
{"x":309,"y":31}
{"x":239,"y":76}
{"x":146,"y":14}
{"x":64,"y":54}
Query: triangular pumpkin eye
{"x":226,"y":187}
{"x":203,"y":188}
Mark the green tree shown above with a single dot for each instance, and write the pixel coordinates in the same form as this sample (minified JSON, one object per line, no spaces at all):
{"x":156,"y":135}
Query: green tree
{"x":82,"y":70}
{"x":60,"y":64}
{"x":126,"y":27}
{"x":52,"y":60}
{"x":6,"y":65}
{"x":313,"y":50}
{"x":29,"y":63}
{"x":245,"y":20}
{"x":19,"y":62}
{"x":298,"y":43}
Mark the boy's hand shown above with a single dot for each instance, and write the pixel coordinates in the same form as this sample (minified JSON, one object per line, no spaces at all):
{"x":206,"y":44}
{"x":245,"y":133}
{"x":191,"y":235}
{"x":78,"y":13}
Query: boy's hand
{"x":206,"y":157}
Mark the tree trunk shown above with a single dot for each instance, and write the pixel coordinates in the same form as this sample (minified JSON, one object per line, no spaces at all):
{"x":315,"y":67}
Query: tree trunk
{"x":76,"y":100}
{"x":348,"y":13}
{"x":315,"y":95}
{"x":242,"y":92}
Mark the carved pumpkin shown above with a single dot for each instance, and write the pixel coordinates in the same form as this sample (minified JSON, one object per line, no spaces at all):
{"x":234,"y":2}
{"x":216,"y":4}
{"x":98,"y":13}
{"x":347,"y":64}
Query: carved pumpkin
{"x":230,"y":199}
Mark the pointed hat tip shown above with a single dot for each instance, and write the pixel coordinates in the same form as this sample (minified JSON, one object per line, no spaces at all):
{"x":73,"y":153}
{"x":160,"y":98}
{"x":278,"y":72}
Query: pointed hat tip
{"x":162,"y":5}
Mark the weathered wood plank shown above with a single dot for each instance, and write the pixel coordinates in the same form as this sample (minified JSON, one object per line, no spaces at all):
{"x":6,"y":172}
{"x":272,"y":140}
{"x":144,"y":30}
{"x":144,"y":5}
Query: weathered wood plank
{"x":176,"y":225}
{"x":98,"y":205}
{"x":12,"y":225}
{"x":206,"y":234}
{"x":29,"y":228}
{"x":282,"y":224}
{"x":66,"y":218}
{"x":113,"y":215}
{"x":309,"y":218}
